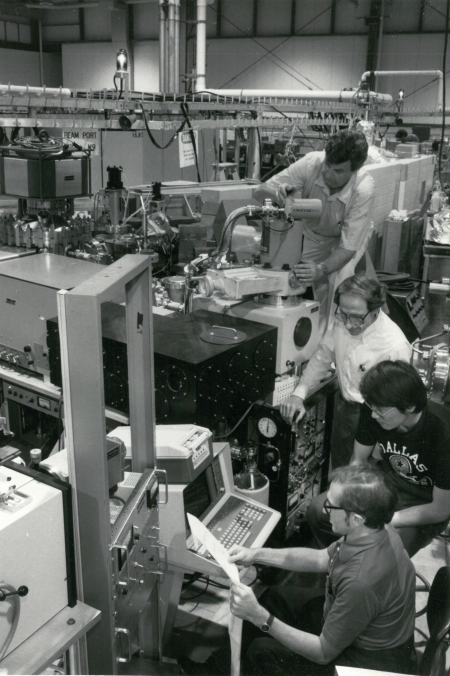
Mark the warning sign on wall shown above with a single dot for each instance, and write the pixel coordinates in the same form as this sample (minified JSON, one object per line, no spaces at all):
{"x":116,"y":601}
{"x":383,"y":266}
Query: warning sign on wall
{"x":187,"y":155}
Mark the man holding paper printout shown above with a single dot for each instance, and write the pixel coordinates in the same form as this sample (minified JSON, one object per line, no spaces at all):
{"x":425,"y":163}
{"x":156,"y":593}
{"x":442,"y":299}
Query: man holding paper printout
{"x":365,"y":615}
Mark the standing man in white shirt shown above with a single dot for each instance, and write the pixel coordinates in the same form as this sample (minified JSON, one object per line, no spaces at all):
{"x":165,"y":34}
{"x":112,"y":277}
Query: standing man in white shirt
{"x":333,"y":244}
{"x":361,"y":336}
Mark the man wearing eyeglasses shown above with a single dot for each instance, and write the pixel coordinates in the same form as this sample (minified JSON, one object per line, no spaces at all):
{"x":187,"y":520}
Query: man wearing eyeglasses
{"x":365,"y":615}
{"x":411,"y":438}
{"x":361,"y":335}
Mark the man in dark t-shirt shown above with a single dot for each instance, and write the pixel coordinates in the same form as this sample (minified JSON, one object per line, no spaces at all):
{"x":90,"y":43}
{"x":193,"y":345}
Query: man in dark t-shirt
{"x":411,"y":442}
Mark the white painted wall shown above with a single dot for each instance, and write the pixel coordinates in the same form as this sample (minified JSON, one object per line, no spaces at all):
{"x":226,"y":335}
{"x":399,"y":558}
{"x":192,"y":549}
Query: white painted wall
{"x":22,"y":67}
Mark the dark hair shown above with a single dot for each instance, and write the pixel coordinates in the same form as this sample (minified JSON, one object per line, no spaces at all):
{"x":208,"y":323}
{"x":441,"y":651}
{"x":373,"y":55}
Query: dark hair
{"x":372,"y":291}
{"x":394,"y":384}
{"x":347,"y":145}
{"x":401,"y":135}
{"x":367,"y":491}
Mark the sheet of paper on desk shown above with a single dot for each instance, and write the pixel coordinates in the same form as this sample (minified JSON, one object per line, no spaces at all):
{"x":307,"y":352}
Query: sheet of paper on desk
{"x":212,"y":544}
{"x":218,"y":551}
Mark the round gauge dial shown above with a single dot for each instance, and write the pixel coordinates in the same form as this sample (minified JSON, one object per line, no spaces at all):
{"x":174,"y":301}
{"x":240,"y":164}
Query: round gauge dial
{"x":267,"y":427}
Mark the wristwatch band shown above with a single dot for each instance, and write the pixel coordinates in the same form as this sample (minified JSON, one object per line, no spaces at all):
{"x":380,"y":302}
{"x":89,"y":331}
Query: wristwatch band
{"x":324,"y":268}
{"x":268,"y":623}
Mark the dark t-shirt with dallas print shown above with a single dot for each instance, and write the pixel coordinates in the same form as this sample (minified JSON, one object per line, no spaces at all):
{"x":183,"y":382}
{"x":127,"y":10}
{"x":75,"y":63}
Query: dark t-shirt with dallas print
{"x":418,"y":459}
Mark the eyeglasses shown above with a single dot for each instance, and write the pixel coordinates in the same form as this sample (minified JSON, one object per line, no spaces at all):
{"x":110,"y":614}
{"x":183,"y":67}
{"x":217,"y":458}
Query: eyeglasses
{"x":327,"y":507}
{"x":378,"y":413}
{"x":356,"y":320}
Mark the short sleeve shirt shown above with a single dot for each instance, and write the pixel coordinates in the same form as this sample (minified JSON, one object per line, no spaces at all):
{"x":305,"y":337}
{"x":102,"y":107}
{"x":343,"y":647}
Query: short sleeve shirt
{"x":370,"y":594}
{"x":346,"y":214}
{"x":418,"y":459}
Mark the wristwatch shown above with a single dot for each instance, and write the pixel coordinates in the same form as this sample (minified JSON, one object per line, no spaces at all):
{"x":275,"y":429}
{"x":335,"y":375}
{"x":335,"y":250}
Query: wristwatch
{"x":324,"y":268}
{"x":267,"y":624}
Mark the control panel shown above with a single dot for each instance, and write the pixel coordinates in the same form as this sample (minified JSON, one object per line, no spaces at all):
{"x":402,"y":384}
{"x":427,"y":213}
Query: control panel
{"x":305,"y":466}
{"x":414,"y":305}
{"x":20,"y":360}
{"x":21,"y":395}
{"x":294,"y":460}
{"x":136,"y":559}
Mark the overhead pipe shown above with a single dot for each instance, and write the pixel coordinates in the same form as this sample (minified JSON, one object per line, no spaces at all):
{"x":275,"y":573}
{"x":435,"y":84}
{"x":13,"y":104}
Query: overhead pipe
{"x":402,"y":73}
{"x":341,"y":96}
{"x":200,"y":83}
{"x":19,"y":90}
{"x":68,"y":5}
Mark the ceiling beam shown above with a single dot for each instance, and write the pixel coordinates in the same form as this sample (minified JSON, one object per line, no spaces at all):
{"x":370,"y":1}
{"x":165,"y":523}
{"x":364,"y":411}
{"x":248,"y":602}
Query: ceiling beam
{"x":255,"y":18}
{"x":421,"y":15}
{"x":219,"y":19}
{"x":81,"y":23}
{"x":333,"y":17}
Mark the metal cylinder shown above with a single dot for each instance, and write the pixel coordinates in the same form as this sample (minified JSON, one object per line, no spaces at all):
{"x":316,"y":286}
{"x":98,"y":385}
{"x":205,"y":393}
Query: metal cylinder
{"x":176,"y":58}
{"x":200,"y":84}
{"x":171,"y":47}
{"x":175,"y":287}
{"x":162,"y":47}
{"x":253,"y":154}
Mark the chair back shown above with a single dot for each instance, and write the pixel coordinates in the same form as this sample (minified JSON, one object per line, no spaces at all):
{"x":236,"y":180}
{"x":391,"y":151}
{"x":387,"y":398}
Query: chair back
{"x":438,"y":618}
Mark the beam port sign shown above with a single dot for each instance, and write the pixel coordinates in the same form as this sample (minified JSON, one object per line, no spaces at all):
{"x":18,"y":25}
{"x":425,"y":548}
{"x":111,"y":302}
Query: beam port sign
{"x":88,"y":139}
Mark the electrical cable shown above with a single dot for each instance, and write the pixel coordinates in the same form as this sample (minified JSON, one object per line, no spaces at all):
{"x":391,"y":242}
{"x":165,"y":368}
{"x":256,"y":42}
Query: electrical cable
{"x":196,"y":596}
{"x":222,"y":436}
{"x":15,"y":600}
{"x":185,"y":111}
{"x":152,"y":138}
{"x":278,"y":232}
{"x":444,"y":63}
{"x":34,"y":144}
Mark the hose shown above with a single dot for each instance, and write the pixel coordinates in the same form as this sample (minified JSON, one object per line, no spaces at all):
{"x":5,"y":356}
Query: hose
{"x":15,"y":600}
{"x":229,"y":223}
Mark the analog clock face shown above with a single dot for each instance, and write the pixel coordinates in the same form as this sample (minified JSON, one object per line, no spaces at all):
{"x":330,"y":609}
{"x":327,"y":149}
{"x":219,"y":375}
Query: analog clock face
{"x":267,"y":427}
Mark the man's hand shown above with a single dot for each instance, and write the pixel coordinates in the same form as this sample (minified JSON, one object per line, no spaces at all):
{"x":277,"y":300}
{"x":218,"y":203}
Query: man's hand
{"x":292,"y":409}
{"x":276,"y":193}
{"x":243,"y":604}
{"x":241,"y":555}
{"x":308,"y":272}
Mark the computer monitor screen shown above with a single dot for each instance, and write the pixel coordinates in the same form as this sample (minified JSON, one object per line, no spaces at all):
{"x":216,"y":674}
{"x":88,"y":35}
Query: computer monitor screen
{"x":197,"y":496}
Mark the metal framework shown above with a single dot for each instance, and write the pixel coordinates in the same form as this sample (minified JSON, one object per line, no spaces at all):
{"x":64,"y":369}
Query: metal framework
{"x":80,"y":323}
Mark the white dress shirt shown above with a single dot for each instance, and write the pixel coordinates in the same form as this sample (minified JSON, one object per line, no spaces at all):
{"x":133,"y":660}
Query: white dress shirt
{"x":345,"y":219}
{"x":353,"y":355}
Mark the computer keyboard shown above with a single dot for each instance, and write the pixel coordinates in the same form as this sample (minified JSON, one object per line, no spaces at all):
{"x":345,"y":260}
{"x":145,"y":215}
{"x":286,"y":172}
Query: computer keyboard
{"x":237,"y":522}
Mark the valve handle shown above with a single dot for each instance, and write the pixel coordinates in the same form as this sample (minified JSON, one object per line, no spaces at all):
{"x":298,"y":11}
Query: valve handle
{"x":21,"y":591}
